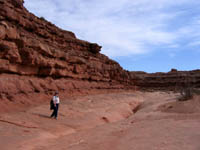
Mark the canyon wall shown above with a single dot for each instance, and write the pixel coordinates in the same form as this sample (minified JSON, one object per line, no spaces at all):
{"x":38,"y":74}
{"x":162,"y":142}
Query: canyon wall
{"x":38,"y":57}
{"x":173,"y":80}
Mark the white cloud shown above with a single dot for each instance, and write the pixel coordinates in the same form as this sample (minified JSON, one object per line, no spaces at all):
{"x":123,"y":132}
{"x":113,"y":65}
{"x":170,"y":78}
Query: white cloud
{"x":123,"y":27}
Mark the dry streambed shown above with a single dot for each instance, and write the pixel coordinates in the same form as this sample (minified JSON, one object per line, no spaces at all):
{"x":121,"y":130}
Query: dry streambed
{"x":107,"y":121}
{"x":33,"y":129}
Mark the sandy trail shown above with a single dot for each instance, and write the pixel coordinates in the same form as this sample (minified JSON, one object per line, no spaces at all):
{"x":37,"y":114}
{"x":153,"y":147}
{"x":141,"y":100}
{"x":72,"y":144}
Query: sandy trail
{"x":105,"y":121}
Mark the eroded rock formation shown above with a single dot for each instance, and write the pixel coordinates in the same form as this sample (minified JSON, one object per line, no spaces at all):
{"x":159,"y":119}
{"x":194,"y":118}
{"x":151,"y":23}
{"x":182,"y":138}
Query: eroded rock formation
{"x":173,"y":80}
{"x":37,"y":56}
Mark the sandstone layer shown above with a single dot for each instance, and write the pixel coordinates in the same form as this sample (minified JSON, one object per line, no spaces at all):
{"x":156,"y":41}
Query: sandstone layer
{"x":173,"y":80}
{"x":106,"y":122}
{"x":38,"y":57}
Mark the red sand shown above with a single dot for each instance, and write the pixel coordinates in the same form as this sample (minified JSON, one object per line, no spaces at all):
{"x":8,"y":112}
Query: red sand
{"x":104,"y":122}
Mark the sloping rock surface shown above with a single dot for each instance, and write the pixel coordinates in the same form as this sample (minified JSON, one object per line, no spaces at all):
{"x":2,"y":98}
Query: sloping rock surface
{"x":36,"y":56}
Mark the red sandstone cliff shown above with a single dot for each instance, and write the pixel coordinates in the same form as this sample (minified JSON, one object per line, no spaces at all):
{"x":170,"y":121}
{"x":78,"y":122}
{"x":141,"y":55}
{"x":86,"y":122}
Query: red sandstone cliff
{"x":38,"y":57}
{"x":173,"y":80}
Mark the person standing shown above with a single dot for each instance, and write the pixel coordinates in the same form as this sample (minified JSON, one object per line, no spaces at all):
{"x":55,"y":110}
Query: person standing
{"x":56,"y":101}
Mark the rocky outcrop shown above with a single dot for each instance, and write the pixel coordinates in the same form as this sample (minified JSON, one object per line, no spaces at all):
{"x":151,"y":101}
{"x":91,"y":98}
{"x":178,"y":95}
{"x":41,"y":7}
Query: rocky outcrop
{"x":173,"y":80}
{"x":37,"y":56}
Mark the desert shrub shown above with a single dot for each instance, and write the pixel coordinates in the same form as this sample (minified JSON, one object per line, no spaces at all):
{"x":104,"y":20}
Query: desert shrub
{"x":196,"y":91}
{"x":186,"y":94}
{"x":186,"y":89}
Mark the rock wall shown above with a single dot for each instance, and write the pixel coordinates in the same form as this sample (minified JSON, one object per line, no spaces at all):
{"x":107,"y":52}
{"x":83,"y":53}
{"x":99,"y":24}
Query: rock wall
{"x":173,"y":80}
{"x":37,"y":56}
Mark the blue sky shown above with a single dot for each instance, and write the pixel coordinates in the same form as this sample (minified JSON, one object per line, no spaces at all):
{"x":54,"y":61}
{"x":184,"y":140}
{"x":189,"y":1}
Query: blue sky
{"x":141,"y":35}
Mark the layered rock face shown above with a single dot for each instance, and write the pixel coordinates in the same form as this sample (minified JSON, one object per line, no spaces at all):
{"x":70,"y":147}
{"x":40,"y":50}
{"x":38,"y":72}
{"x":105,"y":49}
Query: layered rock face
{"x":173,"y":80}
{"x":37,"y":56}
